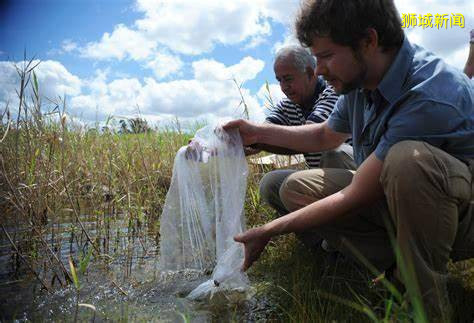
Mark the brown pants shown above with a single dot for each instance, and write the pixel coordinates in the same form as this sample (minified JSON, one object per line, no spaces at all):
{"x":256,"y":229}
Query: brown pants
{"x":428,"y":206}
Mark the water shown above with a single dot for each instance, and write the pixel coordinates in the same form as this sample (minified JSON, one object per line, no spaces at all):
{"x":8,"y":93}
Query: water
{"x":123,"y":285}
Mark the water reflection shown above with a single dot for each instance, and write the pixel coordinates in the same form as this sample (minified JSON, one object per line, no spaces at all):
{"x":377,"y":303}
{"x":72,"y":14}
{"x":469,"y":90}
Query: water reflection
{"x":124,"y":284}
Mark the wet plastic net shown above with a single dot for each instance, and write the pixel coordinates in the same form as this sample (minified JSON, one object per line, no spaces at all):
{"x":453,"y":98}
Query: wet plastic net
{"x":204,"y":210}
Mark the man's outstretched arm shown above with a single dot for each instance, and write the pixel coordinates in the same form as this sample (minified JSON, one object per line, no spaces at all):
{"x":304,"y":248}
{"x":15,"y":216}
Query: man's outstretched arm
{"x":306,"y":138}
{"x":364,"y":189}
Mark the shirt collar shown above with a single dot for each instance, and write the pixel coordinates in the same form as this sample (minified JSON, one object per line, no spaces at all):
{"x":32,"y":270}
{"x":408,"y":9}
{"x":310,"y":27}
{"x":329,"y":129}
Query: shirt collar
{"x":391,"y":85}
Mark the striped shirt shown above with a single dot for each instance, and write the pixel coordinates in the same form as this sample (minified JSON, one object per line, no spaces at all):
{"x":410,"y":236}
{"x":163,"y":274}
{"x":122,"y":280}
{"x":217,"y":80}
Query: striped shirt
{"x":288,"y":113}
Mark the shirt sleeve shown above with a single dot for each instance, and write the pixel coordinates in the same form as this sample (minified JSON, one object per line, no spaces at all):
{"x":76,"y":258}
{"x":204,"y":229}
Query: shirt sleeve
{"x":323,"y":106}
{"x":427,"y":121}
{"x":278,"y":116}
{"x":339,"y":118}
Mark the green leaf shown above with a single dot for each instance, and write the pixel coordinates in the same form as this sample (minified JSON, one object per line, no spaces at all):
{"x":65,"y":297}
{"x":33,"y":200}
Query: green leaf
{"x":31,"y":173}
{"x":84,"y":263}
{"x":388,"y":309}
{"x":74,"y":274}
{"x":35,"y":84}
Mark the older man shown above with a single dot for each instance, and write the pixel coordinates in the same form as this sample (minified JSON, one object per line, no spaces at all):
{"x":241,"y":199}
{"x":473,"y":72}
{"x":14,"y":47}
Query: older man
{"x":308,"y":100}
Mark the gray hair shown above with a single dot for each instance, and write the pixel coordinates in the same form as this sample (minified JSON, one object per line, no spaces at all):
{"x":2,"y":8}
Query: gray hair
{"x":299,"y":56}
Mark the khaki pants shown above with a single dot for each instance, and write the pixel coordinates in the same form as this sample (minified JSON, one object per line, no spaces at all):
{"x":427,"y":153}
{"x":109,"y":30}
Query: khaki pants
{"x":428,"y":204}
{"x":270,"y":184}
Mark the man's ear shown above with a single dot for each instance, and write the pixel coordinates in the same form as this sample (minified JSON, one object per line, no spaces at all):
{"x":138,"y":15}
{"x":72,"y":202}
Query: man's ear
{"x":371,"y":41}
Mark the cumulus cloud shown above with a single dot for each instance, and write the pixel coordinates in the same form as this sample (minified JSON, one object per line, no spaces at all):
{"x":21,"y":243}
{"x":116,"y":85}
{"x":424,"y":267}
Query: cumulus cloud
{"x":53,"y":78}
{"x":289,"y":39}
{"x":459,"y":57}
{"x":211,"y":70}
{"x":164,"y":65}
{"x":210,"y":94}
{"x":201,"y":24}
{"x":56,"y":80}
{"x":122,"y":43}
{"x":118,"y":97}
{"x":282,"y":11}
{"x":8,"y":82}
{"x":185,"y":99}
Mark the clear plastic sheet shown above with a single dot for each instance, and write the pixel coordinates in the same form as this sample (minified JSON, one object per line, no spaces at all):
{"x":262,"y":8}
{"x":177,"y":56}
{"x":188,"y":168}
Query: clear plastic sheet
{"x":204,"y":210}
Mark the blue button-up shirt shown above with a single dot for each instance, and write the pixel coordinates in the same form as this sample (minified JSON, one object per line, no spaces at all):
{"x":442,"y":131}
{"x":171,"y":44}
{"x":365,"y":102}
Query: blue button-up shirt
{"x":419,"y":98}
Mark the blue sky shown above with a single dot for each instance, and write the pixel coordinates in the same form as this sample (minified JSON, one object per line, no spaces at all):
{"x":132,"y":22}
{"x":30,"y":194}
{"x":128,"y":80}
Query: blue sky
{"x":167,"y":59}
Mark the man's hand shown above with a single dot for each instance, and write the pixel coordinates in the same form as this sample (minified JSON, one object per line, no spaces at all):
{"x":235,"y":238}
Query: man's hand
{"x":196,"y":152}
{"x":249,"y":131}
{"x":254,"y":241}
{"x":193,"y":151}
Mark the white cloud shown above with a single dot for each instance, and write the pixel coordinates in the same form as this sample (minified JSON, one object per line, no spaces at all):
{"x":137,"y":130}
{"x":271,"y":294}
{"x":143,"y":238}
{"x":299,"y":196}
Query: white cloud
{"x":282,"y":11}
{"x":68,"y":45}
{"x":118,"y":97}
{"x":53,"y":78}
{"x":448,"y":42}
{"x":164,"y":65}
{"x":122,"y":43}
{"x":289,"y":39}
{"x":211,"y":70}
{"x":255,"y":42}
{"x":459,"y":57}
{"x":54,"y":82}
{"x":8,"y":84}
{"x":201,"y":24}
{"x":211,"y":94}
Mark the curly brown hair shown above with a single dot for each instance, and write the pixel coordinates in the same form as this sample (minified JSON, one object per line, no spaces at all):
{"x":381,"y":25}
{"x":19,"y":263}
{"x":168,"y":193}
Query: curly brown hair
{"x":347,"y":22}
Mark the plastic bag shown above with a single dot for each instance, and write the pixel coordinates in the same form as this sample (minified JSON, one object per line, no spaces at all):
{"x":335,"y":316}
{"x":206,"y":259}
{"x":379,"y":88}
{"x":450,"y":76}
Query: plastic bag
{"x":204,"y":210}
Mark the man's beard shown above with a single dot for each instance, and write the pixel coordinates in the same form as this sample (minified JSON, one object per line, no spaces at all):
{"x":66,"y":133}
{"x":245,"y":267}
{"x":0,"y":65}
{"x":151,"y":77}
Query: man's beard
{"x":357,"y":81}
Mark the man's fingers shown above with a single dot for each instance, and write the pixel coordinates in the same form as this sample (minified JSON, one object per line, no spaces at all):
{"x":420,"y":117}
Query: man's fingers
{"x":231,"y":124}
{"x":247,"y":259}
{"x":238,"y":238}
{"x":245,"y":265}
{"x":247,"y":262}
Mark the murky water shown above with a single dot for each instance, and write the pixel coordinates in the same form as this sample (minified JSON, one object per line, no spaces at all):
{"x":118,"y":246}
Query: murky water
{"x":124,"y":285}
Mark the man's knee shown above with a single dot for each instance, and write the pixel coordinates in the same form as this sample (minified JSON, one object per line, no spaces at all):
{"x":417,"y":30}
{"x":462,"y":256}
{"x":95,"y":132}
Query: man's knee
{"x":405,"y":164}
{"x":269,"y":187}
{"x":289,"y":189}
{"x":301,"y":188}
